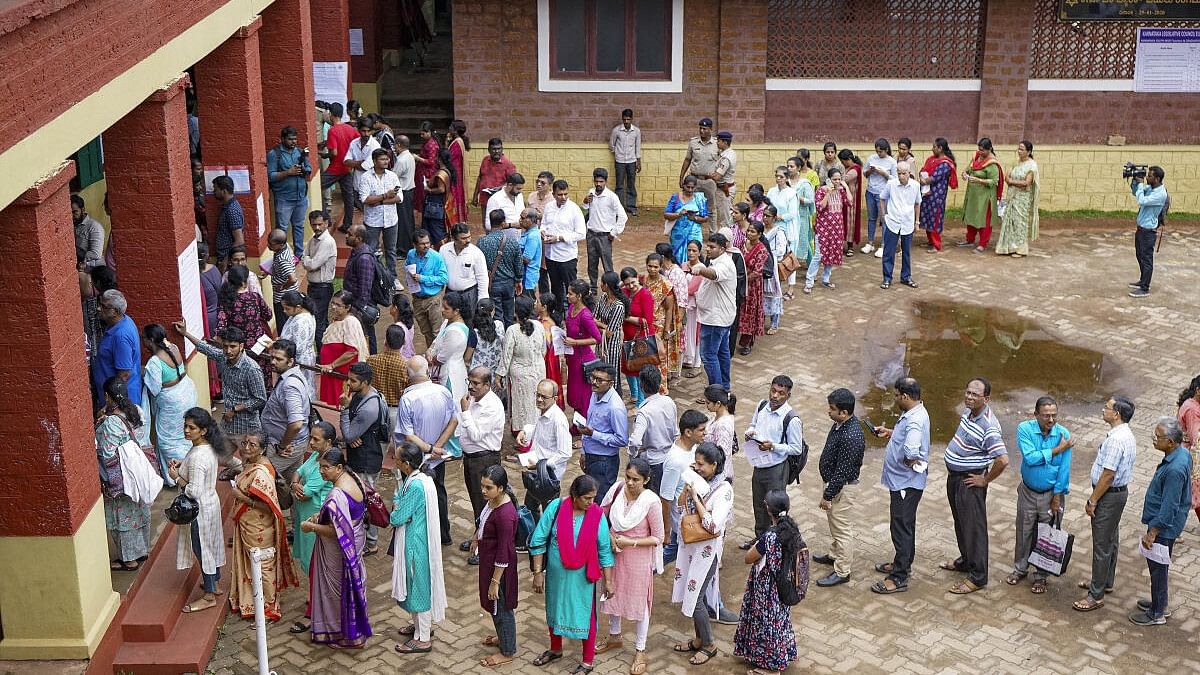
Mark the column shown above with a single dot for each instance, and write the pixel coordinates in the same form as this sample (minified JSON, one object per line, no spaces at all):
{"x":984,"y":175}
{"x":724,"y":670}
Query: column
{"x":230,"y":101}
{"x":741,"y":87}
{"x":1004,"y":80}
{"x":56,"y":597}
{"x":331,"y":31}
{"x":150,"y":194}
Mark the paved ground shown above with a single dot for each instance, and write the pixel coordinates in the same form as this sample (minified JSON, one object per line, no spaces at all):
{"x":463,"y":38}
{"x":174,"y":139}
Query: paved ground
{"x":1071,"y":324}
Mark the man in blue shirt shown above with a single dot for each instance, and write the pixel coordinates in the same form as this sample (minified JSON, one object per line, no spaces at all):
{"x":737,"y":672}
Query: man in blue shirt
{"x":120,"y":350}
{"x":1152,"y":201}
{"x":905,"y":470}
{"x":606,"y":432}
{"x":427,"y":282}
{"x":1045,"y":447}
{"x":1168,"y":501}
{"x":288,"y":172}
{"x":774,"y":443}
{"x":531,"y":257}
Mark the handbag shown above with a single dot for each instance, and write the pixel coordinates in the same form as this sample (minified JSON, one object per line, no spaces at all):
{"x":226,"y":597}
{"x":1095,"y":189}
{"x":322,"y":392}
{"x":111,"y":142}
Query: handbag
{"x":1001,"y":207}
{"x":435,"y":207}
{"x":692,"y":531}
{"x":525,"y":526}
{"x":1052,"y":549}
{"x":183,"y":510}
{"x":640,"y":352}
{"x":283,"y":493}
{"x":788,"y":264}
{"x":378,"y":513}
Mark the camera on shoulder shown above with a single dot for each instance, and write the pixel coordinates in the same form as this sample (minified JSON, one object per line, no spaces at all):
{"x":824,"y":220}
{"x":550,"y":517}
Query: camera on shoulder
{"x":1132,"y":170}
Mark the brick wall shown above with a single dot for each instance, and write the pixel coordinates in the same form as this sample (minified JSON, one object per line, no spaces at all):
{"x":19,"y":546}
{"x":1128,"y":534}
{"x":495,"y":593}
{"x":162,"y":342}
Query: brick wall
{"x":1091,"y":116}
{"x":741,"y":90}
{"x":1007,"y":34}
{"x":862,"y":116}
{"x":364,"y":15}
{"x":57,"y":59}
{"x":496,"y":92}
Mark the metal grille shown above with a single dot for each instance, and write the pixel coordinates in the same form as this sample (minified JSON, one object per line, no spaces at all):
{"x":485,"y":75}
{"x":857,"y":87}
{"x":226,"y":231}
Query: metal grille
{"x":875,"y":38}
{"x":1086,"y":49}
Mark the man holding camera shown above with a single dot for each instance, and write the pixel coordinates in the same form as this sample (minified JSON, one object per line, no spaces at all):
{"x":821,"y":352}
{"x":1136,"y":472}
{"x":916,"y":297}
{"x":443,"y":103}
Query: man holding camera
{"x":1152,"y":201}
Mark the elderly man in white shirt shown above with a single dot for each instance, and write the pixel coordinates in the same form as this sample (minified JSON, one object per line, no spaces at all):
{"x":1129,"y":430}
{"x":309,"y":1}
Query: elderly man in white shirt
{"x":549,"y":438}
{"x":480,"y":433}
{"x":509,"y":200}
{"x":466,"y":267}
{"x":562,"y":228}
{"x":379,"y":190}
{"x":900,"y":208}
{"x":606,"y":221}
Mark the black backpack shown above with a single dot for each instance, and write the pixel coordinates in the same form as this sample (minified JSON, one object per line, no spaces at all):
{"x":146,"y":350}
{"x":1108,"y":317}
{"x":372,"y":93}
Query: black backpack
{"x":384,"y":283}
{"x":795,"y":463}
{"x":791,"y":581}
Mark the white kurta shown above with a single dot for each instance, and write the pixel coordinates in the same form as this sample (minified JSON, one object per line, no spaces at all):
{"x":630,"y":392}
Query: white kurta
{"x":448,"y":348}
{"x":199,"y":470}
{"x":694,"y":560}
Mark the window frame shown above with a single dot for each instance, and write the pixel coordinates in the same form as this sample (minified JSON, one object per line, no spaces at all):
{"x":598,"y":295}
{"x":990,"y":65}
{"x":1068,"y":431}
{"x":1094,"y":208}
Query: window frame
{"x":629,"y":81}
{"x":591,"y":32}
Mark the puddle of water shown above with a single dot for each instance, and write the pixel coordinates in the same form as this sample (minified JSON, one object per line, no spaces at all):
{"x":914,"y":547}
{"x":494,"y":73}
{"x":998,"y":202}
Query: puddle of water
{"x":949,"y":343}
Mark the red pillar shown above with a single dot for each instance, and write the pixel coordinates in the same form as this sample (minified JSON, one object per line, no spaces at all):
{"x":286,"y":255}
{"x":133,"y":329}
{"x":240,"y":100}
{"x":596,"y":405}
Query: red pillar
{"x":1004,"y":81}
{"x":331,"y":31}
{"x":47,"y":447}
{"x":230,"y":103}
{"x":286,"y":48}
{"x":364,"y":15}
{"x":150,"y":193}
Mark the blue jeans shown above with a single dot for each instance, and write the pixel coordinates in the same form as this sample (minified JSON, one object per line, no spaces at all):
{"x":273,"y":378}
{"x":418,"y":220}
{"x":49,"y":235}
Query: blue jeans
{"x":503,"y":297}
{"x":872,"y":216}
{"x":890,"y":240}
{"x":293,"y":213}
{"x":714,"y":353}
{"x":814,"y":264}
{"x":208,"y":581}
{"x":604,"y":469}
{"x":635,"y":389}
{"x":671,"y":548}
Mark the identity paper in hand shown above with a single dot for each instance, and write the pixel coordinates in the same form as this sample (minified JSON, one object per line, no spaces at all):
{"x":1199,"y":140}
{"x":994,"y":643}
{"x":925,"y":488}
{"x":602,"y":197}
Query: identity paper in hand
{"x":560,"y":347}
{"x":578,"y":420}
{"x":1159,"y":553}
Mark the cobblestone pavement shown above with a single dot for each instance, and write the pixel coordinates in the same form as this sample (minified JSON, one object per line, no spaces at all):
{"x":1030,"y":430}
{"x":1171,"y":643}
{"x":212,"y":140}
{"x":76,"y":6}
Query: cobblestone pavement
{"x":1070,"y":289}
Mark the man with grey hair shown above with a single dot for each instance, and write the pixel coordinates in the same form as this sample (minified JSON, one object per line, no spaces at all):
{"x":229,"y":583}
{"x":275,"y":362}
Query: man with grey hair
{"x":900,"y":208}
{"x":548,"y":438}
{"x":427,"y":417}
{"x":1111,"y":473}
{"x":1165,"y":512}
{"x":531,"y":254}
{"x":481,"y":432}
{"x":119,"y":353}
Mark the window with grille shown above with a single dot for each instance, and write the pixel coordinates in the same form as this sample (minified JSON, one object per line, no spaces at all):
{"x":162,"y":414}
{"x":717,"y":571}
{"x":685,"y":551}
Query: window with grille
{"x":1091,"y":50}
{"x":873,"y":39}
{"x":610,"y":39}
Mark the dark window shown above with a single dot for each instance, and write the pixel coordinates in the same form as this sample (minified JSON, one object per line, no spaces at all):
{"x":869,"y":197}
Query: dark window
{"x":610,"y":39}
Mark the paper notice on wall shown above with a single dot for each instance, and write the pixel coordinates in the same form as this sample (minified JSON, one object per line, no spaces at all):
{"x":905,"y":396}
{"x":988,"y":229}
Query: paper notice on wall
{"x":241,"y":179}
{"x":356,"y":42}
{"x":262,"y":215}
{"x":191,"y":297}
{"x":1167,"y":60}
{"x":211,"y":172}
{"x":330,"y":80}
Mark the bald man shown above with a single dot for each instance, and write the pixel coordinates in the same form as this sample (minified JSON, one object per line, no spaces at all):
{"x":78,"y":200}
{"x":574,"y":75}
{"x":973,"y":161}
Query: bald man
{"x":549,"y":438}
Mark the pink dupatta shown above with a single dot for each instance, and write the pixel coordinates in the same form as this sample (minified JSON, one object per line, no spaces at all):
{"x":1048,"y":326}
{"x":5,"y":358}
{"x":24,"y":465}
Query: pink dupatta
{"x":575,"y":553}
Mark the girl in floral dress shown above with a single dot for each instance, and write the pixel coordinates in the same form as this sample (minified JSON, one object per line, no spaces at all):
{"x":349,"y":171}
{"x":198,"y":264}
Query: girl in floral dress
{"x":764,"y":636}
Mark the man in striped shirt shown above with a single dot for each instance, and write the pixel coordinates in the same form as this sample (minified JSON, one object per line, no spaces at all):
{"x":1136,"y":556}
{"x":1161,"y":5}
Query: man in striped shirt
{"x":975,"y":457}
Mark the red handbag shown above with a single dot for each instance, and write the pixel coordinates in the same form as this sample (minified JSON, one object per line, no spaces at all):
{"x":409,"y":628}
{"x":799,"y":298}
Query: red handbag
{"x":378,"y":513}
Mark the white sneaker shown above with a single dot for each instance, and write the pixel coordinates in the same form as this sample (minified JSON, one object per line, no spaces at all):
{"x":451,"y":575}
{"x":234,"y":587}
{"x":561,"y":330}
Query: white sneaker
{"x":878,"y":253}
{"x":867,"y":248}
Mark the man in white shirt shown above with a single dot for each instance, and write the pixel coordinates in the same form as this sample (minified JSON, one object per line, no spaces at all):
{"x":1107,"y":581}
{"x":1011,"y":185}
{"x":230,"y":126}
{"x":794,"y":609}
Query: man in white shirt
{"x":679,"y":459}
{"x":562,"y":228}
{"x":625,"y":142}
{"x":406,"y":171}
{"x":716,"y":307}
{"x":605,"y":222}
{"x":509,"y":200}
{"x":358,"y":155}
{"x":480,"y":432}
{"x":549,"y":438}
{"x":465,"y":266}
{"x":900,"y":208}
{"x":320,"y":266}
{"x":379,"y":190}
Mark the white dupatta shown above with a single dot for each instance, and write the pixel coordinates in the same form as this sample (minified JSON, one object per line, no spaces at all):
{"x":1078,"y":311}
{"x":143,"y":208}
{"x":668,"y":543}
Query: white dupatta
{"x":437,"y":590}
{"x":623,"y":516}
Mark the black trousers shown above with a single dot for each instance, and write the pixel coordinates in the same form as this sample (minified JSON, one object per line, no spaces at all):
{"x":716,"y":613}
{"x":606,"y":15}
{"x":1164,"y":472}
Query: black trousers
{"x":561,"y":275}
{"x":903,"y":509}
{"x":406,"y":224}
{"x":1143,"y":247}
{"x":439,"y":486}
{"x":968,"y":506}
{"x":473,"y":466}
{"x":321,"y":293}
{"x":762,"y":482}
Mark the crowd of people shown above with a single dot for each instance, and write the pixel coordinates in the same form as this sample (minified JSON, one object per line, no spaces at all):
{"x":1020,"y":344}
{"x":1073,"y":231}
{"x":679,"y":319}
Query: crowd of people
{"x":513,"y":337}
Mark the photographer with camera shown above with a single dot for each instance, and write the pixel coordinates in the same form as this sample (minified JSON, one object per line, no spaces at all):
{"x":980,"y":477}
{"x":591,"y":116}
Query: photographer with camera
{"x":1152,"y":203}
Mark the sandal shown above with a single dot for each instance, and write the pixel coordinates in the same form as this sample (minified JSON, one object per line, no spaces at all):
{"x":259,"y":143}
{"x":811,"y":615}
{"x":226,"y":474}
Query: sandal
{"x":495,"y":660}
{"x":708,"y":654}
{"x":772,"y":331}
{"x":490,"y":641}
{"x":686,"y":647}
{"x":188,"y":608}
{"x":789,"y":295}
{"x":963,"y":587}
{"x":610,"y":643}
{"x":1039,"y":587}
{"x":808,"y":290}
{"x":950,"y":566}
{"x":829,"y":284}
{"x":546,"y":657}
{"x":1085,"y":585}
{"x":1087,"y":604}
{"x":744,"y":351}
{"x":883,"y":587}
{"x":639,"y":665}
{"x":581,"y":669}
{"x":1015,"y":578}
{"x":411,"y":647}
{"x":300,"y":627}
{"x":885,"y":285}
{"x":120,"y":566}
{"x":411,"y":630}
{"x":884,"y":568}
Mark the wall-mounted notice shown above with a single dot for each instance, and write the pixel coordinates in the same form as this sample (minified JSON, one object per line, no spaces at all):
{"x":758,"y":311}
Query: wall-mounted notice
{"x":330,"y":80}
{"x":356,"y":42}
{"x":1168,"y":60}
{"x":191,"y":297}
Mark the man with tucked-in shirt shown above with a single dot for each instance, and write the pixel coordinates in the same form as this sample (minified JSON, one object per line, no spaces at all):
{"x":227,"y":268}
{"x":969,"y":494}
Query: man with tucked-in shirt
{"x":320,"y":265}
{"x":905,"y":471}
{"x":778,"y":432}
{"x":625,"y":143}
{"x":605,"y":222}
{"x":480,"y":432}
{"x":654,"y":429}
{"x":232,"y":221}
{"x":562,"y":228}
{"x":1168,"y":500}
{"x":1111,"y":472}
{"x":466,"y":269}
{"x":242,"y":389}
{"x":841,"y":462}
{"x":1045,"y":447}
{"x":548,"y":438}
{"x":427,"y":417}
{"x":285,"y":414}
{"x":606,"y":431}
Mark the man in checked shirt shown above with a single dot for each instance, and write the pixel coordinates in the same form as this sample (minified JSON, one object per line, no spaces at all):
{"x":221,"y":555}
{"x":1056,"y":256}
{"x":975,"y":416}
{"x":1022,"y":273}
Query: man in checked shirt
{"x":841,"y":461}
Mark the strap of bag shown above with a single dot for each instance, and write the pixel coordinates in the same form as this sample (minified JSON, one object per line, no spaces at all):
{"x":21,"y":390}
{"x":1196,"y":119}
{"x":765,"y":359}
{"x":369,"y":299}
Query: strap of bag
{"x":787,"y":420}
{"x":496,"y":262}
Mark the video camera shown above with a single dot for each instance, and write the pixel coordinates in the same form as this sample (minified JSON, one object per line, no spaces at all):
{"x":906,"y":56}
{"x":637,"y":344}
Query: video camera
{"x":1132,"y":170}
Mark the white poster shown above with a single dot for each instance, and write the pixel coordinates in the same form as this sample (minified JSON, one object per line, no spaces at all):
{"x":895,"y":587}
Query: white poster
{"x":1168,"y":60}
{"x":191,"y":297}
{"x":241,"y":179}
{"x":330,"y":81}
{"x":262,"y":215}
{"x":356,"y":42}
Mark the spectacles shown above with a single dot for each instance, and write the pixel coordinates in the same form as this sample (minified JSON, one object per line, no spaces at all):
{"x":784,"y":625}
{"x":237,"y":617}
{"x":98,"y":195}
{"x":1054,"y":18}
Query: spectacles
{"x":600,"y":380}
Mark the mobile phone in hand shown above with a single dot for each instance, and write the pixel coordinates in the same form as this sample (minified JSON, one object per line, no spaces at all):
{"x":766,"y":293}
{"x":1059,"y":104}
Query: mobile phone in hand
{"x":870,"y":426}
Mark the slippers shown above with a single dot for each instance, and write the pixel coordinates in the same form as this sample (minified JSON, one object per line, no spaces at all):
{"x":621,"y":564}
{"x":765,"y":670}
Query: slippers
{"x":298,"y":627}
{"x":1038,"y":587}
{"x":884,"y":568}
{"x":708,"y":655}
{"x":490,"y":641}
{"x":411,"y":647}
{"x":963,"y":587}
{"x":188,"y":609}
{"x":1015,"y":578}
{"x":546,"y":657}
{"x":949,"y":566}
{"x":686,"y":647}
{"x":1087,"y":604}
{"x":1085,"y":585}
{"x":119,"y":566}
{"x":882,"y":588}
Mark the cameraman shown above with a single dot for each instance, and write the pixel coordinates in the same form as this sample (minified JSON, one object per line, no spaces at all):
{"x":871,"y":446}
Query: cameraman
{"x":1152,"y":199}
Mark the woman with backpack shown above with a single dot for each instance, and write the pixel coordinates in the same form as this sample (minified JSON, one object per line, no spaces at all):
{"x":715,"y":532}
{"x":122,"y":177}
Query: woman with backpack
{"x":764,"y":636}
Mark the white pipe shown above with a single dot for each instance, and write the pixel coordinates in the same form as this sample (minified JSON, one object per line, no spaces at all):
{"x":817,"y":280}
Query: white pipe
{"x":257,"y":556}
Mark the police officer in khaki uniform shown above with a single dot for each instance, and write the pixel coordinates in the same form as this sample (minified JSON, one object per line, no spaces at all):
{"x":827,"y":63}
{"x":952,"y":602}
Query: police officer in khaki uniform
{"x":723,"y":176}
{"x":701,"y":161}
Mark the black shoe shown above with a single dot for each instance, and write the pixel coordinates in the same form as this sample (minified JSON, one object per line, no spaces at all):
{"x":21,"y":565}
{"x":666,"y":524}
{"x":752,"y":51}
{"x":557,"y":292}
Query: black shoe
{"x":745,"y":545}
{"x":465,"y":546}
{"x":1144,"y":605}
{"x":832,"y":580}
{"x":473,"y":560}
{"x":825,"y":559}
{"x":1134,"y":284}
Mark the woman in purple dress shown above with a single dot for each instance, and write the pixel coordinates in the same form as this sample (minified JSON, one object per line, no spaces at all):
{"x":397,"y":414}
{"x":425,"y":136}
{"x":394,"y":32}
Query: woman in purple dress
{"x":495,"y":542}
{"x":582,"y":334}
{"x":337,"y":577}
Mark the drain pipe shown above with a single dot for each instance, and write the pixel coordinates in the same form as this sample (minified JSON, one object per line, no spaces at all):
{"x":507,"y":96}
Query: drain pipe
{"x":257,"y":556}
